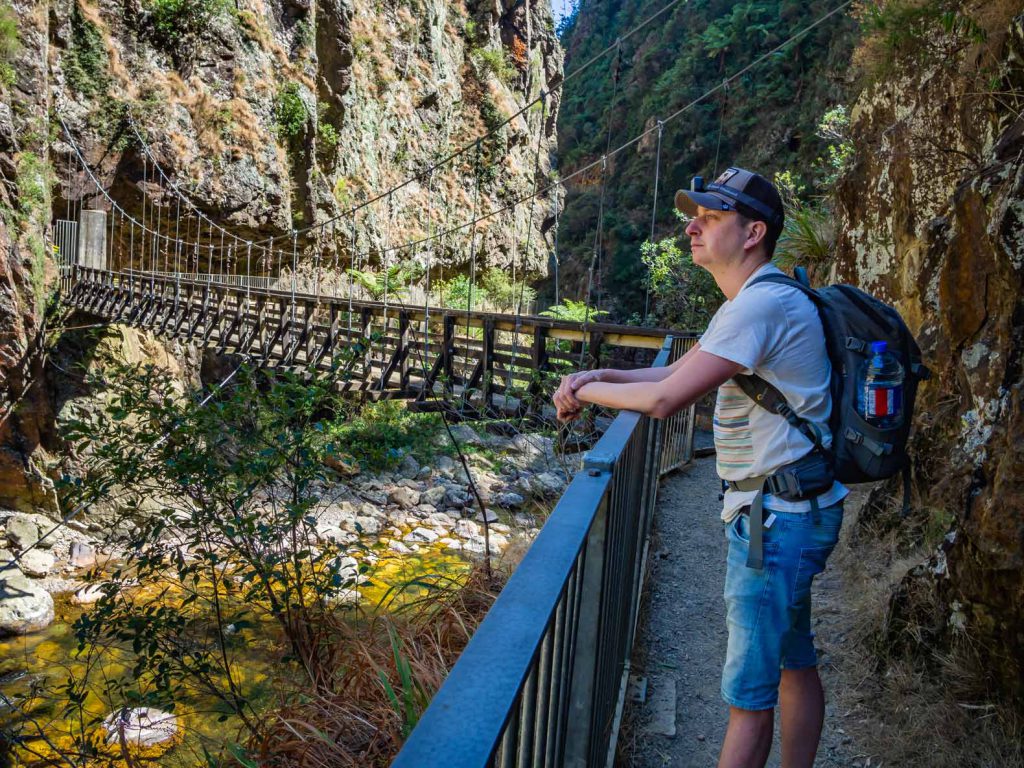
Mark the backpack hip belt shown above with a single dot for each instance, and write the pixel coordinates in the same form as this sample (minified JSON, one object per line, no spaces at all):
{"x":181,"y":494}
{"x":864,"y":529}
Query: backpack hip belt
{"x":802,"y":480}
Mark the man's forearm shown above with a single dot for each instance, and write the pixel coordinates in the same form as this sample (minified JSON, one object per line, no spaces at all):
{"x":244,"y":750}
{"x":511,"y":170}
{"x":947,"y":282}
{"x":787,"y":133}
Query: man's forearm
{"x":638,"y":376}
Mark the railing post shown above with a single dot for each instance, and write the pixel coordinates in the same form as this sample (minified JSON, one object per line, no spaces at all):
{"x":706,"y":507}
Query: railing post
{"x":448,"y":352}
{"x":578,"y":735}
{"x":487,"y":358}
{"x":539,"y":360}
{"x":403,"y":350}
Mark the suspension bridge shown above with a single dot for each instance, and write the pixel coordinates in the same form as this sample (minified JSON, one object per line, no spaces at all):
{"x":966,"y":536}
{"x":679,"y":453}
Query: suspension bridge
{"x":542,"y":681}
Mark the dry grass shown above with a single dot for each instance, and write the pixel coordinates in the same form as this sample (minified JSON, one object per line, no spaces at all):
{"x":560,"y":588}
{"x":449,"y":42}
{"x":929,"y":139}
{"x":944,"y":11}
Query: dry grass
{"x":909,"y":704}
{"x":352,"y":720}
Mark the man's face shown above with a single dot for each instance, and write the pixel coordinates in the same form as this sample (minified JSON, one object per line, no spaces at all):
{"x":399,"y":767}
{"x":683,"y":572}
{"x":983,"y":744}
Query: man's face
{"x":716,"y":237}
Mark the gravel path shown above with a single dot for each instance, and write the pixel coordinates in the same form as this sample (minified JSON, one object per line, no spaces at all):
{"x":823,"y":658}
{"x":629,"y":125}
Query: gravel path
{"x":682,"y":637}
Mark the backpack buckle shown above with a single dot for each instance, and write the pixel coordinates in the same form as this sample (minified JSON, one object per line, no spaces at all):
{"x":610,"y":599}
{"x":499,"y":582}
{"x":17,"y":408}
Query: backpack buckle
{"x":856,"y":344}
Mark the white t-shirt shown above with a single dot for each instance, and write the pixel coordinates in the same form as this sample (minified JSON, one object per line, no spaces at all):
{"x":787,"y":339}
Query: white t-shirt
{"x":774,"y":331}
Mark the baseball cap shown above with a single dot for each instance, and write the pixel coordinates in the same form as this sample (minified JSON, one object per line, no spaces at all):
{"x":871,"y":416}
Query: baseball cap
{"x":737,"y":190}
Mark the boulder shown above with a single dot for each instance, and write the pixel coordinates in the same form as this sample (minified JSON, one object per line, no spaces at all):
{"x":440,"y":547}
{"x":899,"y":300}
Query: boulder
{"x":22,"y":532}
{"x":465,"y":435}
{"x":547,"y":484}
{"x":141,"y":727}
{"x":398,"y":547}
{"x":445,"y":465}
{"x":456,"y":497}
{"x":509,"y":500}
{"x":404,"y":497}
{"x":369,"y":525}
{"x":467,"y":528}
{"x":433,"y":496}
{"x":24,"y":606}
{"x":82,"y":555}
{"x":37,"y":563}
{"x":409,"y":467}
{"x":421,"y":535}
{"x":487,"y":514}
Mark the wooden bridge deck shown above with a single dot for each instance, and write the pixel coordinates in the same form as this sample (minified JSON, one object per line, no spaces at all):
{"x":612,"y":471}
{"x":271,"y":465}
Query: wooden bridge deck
{"x":389,"y":350}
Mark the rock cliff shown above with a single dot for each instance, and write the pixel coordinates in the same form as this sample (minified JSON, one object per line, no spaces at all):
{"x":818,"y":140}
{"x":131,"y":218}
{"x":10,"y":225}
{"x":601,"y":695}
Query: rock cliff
{"x":272,"y":115}
{"x":931,"y":220}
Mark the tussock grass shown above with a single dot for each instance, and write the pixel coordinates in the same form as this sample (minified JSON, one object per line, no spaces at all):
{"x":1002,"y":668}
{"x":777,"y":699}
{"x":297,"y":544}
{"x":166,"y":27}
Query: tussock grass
{"x":382,"y":673}
{"x":910,"y":704}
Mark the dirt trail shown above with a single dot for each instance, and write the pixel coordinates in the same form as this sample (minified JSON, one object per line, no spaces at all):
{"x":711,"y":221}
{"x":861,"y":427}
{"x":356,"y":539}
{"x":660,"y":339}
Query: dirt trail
{"x":682,"y":637}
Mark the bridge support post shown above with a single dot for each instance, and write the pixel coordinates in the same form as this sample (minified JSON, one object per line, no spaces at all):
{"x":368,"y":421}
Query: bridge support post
{"x":92,"y":239}
{"x":588,"y":637}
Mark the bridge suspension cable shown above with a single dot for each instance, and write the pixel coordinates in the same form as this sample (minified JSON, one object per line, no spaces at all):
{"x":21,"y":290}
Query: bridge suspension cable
{"x":659,"y":125}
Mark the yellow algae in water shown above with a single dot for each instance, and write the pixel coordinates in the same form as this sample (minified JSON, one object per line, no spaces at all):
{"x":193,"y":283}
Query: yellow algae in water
{"x":396,"y":580}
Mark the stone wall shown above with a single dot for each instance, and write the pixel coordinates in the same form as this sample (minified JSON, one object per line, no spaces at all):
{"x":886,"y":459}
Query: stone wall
{"x":931,"y":220}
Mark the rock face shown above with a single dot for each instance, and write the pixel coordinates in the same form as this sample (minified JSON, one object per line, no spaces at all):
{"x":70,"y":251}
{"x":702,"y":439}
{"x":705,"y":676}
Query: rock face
{"x":24,"y":607}
{"x":932,"y":216}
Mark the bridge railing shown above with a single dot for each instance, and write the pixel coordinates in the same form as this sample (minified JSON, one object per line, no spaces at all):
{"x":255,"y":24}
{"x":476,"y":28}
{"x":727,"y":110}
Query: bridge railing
{"x":542,"y":681}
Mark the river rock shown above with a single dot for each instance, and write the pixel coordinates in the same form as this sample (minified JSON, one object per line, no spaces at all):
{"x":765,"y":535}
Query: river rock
{"x":82,"y":555}
{"x":441,"y":518}
{"x":398,"y":547}
{"x":22,"y":532}
{"x":547,"y":484}
{"x":141,"y":727}
{"x":425,"y":535}
{"x":488,"y":515}
{"x":433,"y":496}
{"x":369,"y":525}
{"x":425,"y":473}
{"x":451,"y":543}
{"x":409,"y":467}
{"x":509,"y":500}
{"x":467,"y":529}
{"x":24,"y":606}
{"x":37,"y":563}
{"x":404,"y":497}
{"x":456,"y":497}
{"x":466,"y":435}
{"x":88,"y":594}
{"x":444,"y":465}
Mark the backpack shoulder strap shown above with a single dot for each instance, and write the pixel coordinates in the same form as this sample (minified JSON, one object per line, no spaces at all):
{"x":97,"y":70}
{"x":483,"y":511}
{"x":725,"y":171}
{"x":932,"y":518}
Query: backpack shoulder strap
{"x":768,"y":396}
{"x":771,"y":399}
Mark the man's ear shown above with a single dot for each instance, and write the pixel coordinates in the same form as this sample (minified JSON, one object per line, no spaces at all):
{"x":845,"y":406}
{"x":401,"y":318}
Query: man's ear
{"x":756,"y":232}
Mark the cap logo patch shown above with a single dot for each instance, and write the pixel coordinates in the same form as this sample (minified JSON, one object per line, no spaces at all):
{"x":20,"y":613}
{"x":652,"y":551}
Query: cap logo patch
{"x":726,"y":175}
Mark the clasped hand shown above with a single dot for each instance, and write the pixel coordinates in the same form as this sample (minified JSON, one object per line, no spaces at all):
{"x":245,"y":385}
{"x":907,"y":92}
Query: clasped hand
{"x":567,"y":405}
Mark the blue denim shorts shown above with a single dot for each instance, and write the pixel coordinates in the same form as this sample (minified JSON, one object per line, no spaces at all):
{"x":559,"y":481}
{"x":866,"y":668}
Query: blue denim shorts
{"x":768,"y":611}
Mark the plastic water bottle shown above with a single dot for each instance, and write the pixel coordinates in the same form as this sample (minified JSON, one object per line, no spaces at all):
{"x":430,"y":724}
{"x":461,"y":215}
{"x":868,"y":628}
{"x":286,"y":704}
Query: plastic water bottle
{"x":880,"y":388}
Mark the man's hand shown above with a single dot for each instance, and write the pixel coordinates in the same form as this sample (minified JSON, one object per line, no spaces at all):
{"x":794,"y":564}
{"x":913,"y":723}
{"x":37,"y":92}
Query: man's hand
{"x":567,"y":405}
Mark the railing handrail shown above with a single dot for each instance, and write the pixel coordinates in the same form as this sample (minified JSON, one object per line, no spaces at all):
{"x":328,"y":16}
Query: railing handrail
{"x":414,"y":309}
{"x":467,"y":716}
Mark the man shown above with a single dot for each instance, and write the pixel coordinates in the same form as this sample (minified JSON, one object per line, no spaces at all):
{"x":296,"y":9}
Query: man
{"x":771,"y":330}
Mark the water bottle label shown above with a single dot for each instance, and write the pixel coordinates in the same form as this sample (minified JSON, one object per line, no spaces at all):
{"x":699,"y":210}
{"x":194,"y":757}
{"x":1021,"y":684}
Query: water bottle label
{"x":883,"y":402}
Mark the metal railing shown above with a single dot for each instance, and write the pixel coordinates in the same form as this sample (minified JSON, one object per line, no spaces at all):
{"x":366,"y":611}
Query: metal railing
{"x":677,"y":447}
{"x":542,"y":681}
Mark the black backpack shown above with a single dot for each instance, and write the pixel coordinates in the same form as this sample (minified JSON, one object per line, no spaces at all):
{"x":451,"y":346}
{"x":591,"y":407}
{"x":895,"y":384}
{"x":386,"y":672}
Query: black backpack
{"x":851,"y":320}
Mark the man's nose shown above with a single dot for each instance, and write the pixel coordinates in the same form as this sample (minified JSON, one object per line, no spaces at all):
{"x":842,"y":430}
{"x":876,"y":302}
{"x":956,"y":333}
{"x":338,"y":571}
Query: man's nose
{"x":692,"y":228}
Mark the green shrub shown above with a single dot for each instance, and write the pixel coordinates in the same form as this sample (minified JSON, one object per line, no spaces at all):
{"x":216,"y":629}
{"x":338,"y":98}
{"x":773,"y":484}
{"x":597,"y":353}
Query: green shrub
{"x":458,"y":293}
{"x":503,"y":294}
{"x":493,"y":61}
{"x":383,"y":432}
{"x":328,"y":135}
{"x":86,"y":63}
{"x":290,"y":112}
{"x":9,"y":44}
{"x":683,"y":295}
{"x":176,"y":22}
{"x":911,"y":30}
{"x":574,"y":312}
